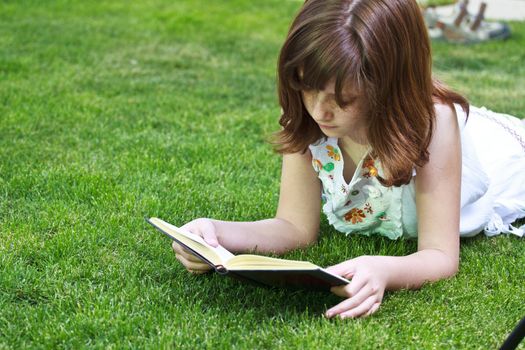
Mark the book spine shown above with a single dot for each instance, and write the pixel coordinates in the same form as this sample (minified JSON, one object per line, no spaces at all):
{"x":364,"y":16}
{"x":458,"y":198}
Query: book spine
{"x":220,"y":269}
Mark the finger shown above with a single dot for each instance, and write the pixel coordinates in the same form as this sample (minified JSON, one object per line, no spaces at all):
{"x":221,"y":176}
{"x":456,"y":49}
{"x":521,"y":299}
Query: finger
{"x":351,"y":303}
{"x":198,"y":272}
{"x":360,"y":294}
{"x":360,"y":310}
{"x":178,"y":249}
{"x":188,"y":227}
{"x":350,"y":289}
{"x":205,"y":229}
{"x":341,"y":291}
{"x":357,"y":283}
{"x":373,"y":309}
{"x":209,"y":236}
{"x":345,"y":269}
{"x":191,"y":265}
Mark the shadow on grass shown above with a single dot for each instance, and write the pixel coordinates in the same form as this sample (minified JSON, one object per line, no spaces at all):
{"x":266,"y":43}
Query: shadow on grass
{"x":230,"y":296}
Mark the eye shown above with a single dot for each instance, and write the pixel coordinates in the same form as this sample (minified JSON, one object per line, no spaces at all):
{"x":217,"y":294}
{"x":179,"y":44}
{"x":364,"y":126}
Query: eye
{"x":306,"y":87}
{"x":347,"y":102}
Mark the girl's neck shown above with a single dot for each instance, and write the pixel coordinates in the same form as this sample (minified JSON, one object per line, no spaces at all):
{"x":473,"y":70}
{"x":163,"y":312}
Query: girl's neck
{"x":355,"y":149}
{"x":352,"y":152}
{"x":351,"y":144}
{"x":355,"y":140}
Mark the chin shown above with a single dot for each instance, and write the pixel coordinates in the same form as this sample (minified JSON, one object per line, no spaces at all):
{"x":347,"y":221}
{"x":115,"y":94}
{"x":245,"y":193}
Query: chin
{"x":332,"y":133}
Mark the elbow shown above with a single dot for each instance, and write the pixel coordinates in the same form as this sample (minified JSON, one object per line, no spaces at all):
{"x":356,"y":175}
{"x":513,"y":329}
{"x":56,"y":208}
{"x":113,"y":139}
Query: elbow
{"x":300,"y":237}
{"x":307,"y":239}
{"x":454,"y":268}
{"x":298,"y":242}
{"x":450,"y":271}
{"x":445,"y":265}
{"x":451,"y":267}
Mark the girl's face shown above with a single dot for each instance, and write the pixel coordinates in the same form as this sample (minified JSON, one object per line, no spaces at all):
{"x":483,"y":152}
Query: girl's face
{"x":335,"y":121}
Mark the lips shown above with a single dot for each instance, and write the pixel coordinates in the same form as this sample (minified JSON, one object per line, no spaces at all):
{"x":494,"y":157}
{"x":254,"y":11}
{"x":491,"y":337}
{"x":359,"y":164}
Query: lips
{"x":326,"y":126}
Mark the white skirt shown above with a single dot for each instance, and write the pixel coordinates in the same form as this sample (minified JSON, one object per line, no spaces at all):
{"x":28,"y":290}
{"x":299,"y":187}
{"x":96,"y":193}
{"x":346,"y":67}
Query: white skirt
{"x":493,"y":178}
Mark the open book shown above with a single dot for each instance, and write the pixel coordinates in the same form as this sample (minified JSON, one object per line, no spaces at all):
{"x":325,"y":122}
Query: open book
{"x":256,"y":268}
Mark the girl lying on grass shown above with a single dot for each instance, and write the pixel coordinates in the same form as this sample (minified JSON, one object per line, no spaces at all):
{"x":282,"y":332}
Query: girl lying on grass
{"x":388,"y":148}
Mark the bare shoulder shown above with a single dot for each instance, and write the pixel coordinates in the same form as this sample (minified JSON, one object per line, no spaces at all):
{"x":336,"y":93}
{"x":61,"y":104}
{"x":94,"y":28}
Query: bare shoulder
{"x":445,"y":144}
{"x":298,"y":164}
{"x":299,"y":156}
{"x":445,"y":113}
{"x":446,"y":125}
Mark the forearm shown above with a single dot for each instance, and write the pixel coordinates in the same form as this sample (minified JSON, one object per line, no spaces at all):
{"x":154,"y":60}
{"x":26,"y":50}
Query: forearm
{"x":264,"y":236}
{"x":412,"y":271}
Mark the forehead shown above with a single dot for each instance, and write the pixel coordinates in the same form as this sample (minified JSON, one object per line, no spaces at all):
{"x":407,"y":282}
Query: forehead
{"x":348,"y":89}
{"x":321,"y":80}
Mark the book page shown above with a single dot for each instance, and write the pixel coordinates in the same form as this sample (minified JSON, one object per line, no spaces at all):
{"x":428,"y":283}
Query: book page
{"x":216,"y":255}
{"x":259,"y":262}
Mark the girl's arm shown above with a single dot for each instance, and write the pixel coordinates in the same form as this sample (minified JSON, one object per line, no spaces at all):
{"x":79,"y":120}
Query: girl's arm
{"x":438,"y":188}
{"x":295,"y":225}
{"x":438,"y":192}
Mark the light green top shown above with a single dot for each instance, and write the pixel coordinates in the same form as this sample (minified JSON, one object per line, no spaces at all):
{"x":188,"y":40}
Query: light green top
{"x":363,"y":206}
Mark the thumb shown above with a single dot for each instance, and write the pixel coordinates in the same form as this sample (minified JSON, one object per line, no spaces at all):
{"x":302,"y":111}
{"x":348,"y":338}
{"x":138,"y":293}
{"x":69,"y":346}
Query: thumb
{"x":209,"y":235}
{"x":345,"y":269}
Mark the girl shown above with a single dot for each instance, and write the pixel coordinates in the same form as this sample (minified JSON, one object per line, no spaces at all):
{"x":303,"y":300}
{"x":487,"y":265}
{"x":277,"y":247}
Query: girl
{"x":387,"y":147}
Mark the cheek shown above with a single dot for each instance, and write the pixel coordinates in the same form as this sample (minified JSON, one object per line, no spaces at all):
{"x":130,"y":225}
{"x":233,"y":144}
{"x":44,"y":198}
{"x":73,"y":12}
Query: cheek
{"x":349,"y":116}
{"x":353,"y":112}
{"x":307,"y":103}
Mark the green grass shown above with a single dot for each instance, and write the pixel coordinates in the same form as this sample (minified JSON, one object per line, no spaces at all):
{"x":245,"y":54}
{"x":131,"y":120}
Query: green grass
{"x":113,"y":111}
{"x":436,"y":2}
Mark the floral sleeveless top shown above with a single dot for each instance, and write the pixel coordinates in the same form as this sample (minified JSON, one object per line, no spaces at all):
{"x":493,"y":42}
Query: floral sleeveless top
{"x":363,"y":206}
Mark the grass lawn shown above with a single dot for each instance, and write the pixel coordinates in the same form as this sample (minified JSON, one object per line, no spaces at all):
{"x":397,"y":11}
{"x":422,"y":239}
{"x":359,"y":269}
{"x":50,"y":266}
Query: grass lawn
{"x":112,"y":111}
{"x":436,"y":2}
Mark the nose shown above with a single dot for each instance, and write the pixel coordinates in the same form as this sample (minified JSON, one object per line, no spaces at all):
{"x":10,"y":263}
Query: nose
{"x":322,"y":111}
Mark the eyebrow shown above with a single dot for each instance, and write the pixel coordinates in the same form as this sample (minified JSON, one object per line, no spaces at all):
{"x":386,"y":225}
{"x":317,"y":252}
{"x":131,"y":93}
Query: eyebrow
{"x":345,"y":94}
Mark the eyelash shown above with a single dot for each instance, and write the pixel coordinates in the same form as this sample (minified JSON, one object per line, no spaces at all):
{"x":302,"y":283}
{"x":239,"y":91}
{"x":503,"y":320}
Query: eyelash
{"x":307,"y":88}
{"x":348,"y":103}
{"x":344,"y":105}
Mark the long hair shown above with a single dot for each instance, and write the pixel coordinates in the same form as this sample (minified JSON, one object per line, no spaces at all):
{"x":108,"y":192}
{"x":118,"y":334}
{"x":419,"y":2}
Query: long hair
{"x":380,"y":47}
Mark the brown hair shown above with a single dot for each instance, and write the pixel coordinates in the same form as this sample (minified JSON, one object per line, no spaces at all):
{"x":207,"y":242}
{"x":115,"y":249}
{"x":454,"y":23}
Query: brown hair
{"x":380,"y":47}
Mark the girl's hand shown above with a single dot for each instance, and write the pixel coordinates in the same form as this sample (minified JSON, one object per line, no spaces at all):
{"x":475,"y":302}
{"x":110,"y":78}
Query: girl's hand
{"x":205,"y":229}
{"x":365,"y":291}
